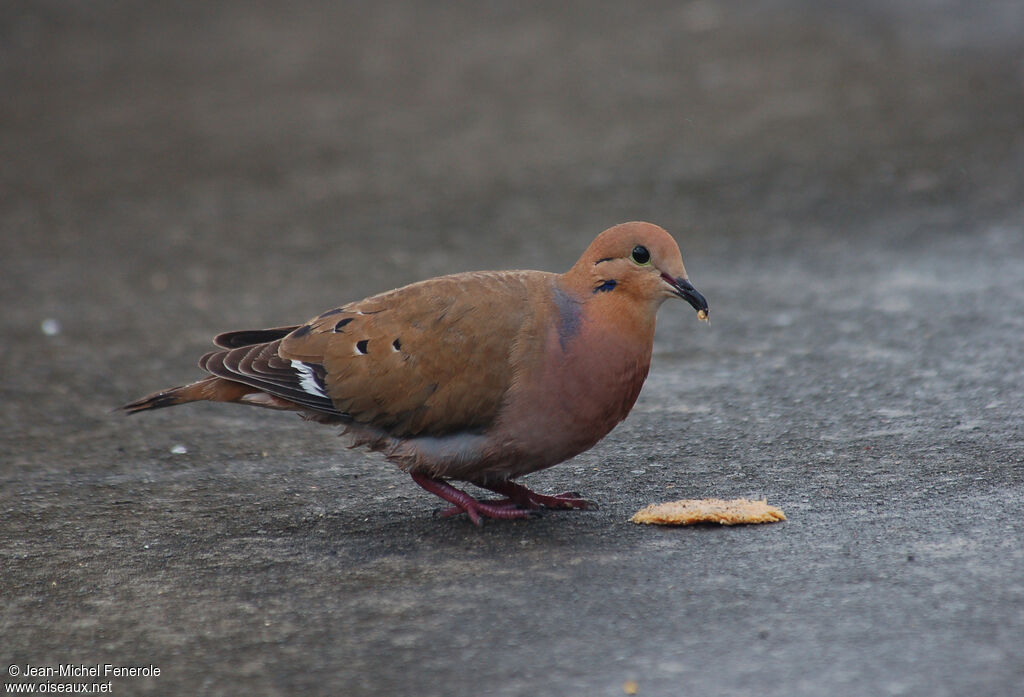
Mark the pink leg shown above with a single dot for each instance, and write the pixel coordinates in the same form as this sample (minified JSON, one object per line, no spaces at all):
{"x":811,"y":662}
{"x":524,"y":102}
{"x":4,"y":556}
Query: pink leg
{"x":520,"y":500}
{"x":463,"y":502}
{"x":525,"y":498}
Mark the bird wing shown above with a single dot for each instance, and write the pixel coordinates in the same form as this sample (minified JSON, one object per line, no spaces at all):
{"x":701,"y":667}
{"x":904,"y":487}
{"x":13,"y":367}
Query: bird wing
{"x":248,"y":337}
{"x":429,"y":358}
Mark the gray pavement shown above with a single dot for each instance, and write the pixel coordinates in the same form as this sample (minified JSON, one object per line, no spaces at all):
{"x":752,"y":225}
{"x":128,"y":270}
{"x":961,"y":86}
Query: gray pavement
{"x":845,"y":179}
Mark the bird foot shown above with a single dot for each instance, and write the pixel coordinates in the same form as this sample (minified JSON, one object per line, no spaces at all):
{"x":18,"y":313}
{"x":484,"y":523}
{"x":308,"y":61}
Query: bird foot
{"x":490,"y":508}
{"x":464,"y":503}
{"x":527,"y":498}
{"x":518,"y":502}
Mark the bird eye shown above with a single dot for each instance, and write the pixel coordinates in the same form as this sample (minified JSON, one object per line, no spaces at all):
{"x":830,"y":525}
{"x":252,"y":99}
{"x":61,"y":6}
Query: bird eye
{"x":641,"y":255}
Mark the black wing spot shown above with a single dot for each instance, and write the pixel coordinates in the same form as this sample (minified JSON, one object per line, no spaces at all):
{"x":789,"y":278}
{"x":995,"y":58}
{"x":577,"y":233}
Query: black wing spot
{"x":361,"y":346}
{"x":397,"y":344}
{"x":341,"y":323}
{"x":301,"y":331}
{"x":335,"y":311}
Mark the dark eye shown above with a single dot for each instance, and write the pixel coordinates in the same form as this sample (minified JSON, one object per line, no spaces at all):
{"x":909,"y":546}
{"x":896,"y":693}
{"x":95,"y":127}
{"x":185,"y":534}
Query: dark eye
{"x":641,"y":255}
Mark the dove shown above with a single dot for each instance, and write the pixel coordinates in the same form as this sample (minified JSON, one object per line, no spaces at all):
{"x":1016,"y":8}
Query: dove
{"x":479,"y":377}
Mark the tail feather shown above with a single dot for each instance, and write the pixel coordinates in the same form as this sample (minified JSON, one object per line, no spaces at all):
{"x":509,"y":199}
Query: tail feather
{"x":211,"y":389}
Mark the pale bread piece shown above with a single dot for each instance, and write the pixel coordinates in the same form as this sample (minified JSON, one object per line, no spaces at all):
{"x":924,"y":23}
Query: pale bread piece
{"x":724,"y":512}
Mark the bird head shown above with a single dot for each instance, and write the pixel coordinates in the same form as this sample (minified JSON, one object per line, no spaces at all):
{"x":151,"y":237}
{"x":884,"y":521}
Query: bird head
{"x":635,"y":261}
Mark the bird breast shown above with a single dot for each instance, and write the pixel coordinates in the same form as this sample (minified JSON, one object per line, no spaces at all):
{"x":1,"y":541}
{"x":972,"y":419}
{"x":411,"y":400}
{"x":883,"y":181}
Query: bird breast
{"x":584,"y":384}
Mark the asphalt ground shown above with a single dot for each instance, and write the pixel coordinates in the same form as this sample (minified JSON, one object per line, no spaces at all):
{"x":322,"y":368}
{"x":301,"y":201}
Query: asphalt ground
{"x":845,"y":180}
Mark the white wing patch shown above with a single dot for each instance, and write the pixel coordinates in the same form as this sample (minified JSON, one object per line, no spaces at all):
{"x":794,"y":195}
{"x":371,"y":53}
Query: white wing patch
{"x":307,"y":379}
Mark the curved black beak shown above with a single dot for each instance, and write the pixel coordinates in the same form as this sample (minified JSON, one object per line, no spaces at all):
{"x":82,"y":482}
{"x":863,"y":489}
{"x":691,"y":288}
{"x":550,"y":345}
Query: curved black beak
{"x":685,"y":290}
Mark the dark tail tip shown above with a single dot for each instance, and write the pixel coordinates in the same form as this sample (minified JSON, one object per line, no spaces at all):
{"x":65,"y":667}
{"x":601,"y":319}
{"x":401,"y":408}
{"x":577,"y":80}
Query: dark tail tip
{"x":158,"y":400}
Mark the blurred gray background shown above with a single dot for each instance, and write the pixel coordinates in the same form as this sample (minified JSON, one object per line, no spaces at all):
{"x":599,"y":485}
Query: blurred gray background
{"x":845,"y":180}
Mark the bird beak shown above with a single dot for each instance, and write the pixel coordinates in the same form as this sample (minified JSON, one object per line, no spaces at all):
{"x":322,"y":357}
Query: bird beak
{"x":685,"y":290}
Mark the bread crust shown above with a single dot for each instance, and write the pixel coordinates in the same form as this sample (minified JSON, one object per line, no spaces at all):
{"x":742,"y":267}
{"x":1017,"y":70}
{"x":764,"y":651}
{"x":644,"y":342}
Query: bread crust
{"x":723,"y":512}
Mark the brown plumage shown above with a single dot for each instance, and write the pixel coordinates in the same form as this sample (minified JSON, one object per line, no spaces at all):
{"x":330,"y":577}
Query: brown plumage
{"x":480,"y":377}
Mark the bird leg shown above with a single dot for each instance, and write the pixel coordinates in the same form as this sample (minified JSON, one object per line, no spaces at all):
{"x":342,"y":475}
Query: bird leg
{"x":518,"y":501}
{"x":520,"y":496}
{"x":464,"y":503}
